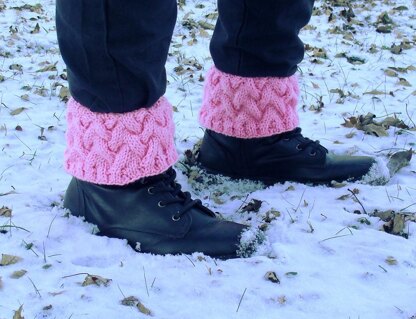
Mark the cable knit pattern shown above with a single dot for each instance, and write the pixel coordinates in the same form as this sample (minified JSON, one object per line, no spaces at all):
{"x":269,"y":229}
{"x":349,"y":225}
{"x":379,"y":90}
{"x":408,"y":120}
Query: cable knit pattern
{"x":247,"y":107}
{"x":117,"y":149}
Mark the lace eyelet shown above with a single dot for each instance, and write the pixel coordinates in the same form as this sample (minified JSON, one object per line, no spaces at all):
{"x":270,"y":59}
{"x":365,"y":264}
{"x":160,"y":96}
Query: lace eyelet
{"x":176,"y":218}
{"x":150,"y":190}
{"x":299,"y":148}
{"x":160,"y":204}
{"x":313,"y":153}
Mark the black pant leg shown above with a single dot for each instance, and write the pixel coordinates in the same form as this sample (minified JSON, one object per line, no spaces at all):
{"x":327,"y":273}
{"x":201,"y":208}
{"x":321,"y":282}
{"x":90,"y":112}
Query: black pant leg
{"x":258,"y":38}
{"x":115,"y":50}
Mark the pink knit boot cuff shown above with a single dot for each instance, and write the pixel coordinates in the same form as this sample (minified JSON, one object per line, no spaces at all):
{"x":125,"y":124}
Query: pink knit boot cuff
{"x":249,"y":107}
{"x":117,"y":149}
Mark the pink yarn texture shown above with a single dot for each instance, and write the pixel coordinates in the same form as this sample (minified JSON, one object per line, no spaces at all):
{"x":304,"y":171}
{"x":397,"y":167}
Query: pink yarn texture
{"x":117,"y":149}
{"x":247,"y":107}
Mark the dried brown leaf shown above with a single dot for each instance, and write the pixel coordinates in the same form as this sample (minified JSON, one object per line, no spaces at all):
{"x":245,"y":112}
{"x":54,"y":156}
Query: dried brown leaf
{"x":142,"y":308}
{"x":375,"y":92}
{"x":32,"y":8}
{"x":271,"y":215}
{"x":17,"y":111}
{"x":96,"y":280}
{"x":344,"y":197}
{"x":9,"y":260}
{"x":204,"y":33}
{"x":5,"y":212}
{"x":16,"y":67}
{"x":290,"y":188}
{"x":36,"y":29}
{"x":391,"y":73}
{"x":130,"y":301}
{"x":399,"y":224}
{"x":253,"y":206}
{"x":64,"y":94}
{"x":212,"y":16}
{"x":384,"y":215}
{"x":384,"y":29}
{"x":355,"y":60}
{"x":375,"y":130}
{"x":404,"y":82}
{"x":18,"y":274}
{"x":320,"y":53}
{"x":272,"y":276}
{"x":395,"y":122}
{"x":350,"y":122}
{"x":396,"y":49}
{"x":48,"y":68}
{"x":18,"y":313}
{"x":390,"y":260}
{"x":366,"y":119}
{"x":398,"y":69}
{"x":133,"y":301}
{"x":399,"y":160}
{"x":206,"y":25}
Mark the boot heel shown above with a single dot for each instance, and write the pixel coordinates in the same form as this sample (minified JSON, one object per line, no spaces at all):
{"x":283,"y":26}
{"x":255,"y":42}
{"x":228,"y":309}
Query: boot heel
{"x":72,"y":200}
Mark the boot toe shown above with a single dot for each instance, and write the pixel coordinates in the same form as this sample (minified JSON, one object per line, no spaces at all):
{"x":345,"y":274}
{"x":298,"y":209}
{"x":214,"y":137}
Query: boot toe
{"x":348,"y":168}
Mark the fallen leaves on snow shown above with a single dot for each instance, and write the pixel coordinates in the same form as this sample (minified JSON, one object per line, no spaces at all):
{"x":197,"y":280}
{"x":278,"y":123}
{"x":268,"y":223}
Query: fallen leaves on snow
{"x":5,"y":212}
{"x":272,"y":276}
{"x":17,"y":111}
{"x":399,"y":160}
{"x":395,"y":222}
{"x":135,"y":302}
{"x":368,"y":124}
{"x":7,"y":260}
{"x":18,"y":313}
{"x":96,"y":280}
{"x":390,"y":260}
{"x":18,"y":274}
{"x":253,"y":206}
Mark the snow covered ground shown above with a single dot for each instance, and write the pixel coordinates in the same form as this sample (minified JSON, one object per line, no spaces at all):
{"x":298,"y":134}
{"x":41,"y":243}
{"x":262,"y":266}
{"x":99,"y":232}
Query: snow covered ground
{"x":333,"y":257}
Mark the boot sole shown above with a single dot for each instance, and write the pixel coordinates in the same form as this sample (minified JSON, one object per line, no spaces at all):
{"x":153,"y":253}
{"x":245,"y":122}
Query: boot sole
{"x":271,"y":181}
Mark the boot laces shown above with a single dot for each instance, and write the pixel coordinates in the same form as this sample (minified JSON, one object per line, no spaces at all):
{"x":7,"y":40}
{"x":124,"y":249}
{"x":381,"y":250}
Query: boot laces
{"x":165,"y":183}
{"x":304,"y":142}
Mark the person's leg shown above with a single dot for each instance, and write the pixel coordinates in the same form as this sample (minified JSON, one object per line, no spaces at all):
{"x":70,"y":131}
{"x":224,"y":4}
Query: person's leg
{"x":260,"y":38}
{"x":251,"y":94}
{"x":120,"y":135}
{"x":115,"y":51}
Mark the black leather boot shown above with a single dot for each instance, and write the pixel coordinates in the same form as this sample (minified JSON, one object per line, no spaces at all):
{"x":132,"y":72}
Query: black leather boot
{"x":284,"y":157}
{"x":155,"y":216}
